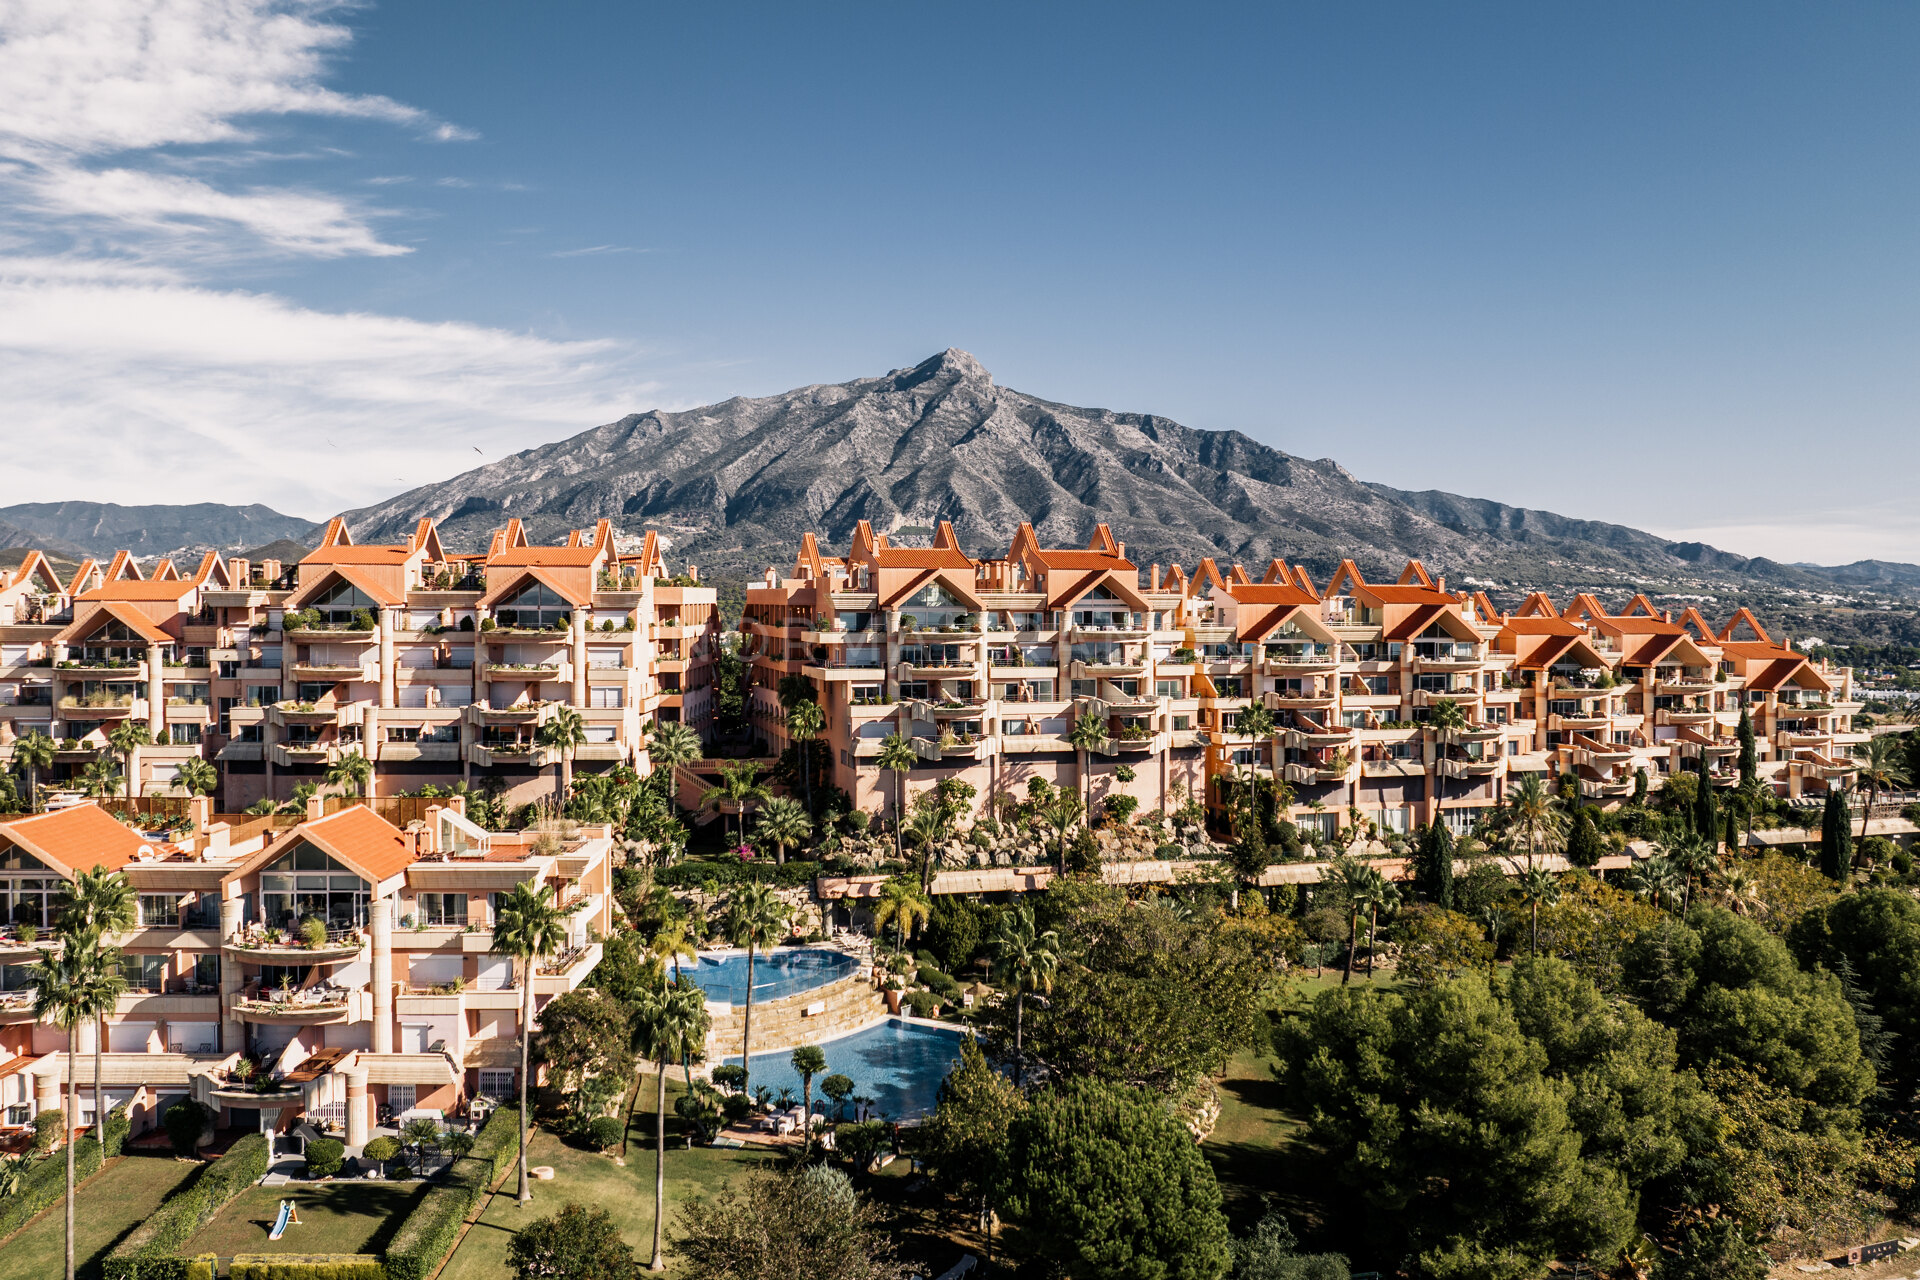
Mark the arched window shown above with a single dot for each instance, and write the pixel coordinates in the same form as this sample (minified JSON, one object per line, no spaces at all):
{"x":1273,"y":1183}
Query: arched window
{"x":339,"y":602}
{"x":535,"y":606}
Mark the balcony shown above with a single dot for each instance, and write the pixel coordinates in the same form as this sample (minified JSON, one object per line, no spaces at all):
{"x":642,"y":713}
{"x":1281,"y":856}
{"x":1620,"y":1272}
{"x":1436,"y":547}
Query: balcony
{"x":343,"y":714}
{"x":102,"y":669}
{"x":1438,"y":663}
{"x":339,"y":945}
{"x":302,"y":755}
{"x":528,"y":713}
{"x":566,"y":971}
{"x":526,"y":755}
{"x":1277,"y":660}
{"x":336,"y":672}
{"x":1683,"y":686}
{"x":16,"y":1007}
{"x":1472,"y":733}
{"x":1584,"y":721}
{"x":305,"y":1007}
{"x":1331,"y":736}
{"x":1683,"y":715}
{"x":1430,"y":697}
{"x":442,"y":752}
{"x":1316,"y":774}
{"x":1468,"y":768}
{"x":532,"y":672}
{"x":122,"y":707}
{"x":1297,"y":699}
{"x":334,"y":633}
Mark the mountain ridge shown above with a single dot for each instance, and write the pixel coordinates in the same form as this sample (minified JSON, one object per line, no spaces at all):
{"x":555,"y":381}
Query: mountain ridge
{"x":734,"y":484}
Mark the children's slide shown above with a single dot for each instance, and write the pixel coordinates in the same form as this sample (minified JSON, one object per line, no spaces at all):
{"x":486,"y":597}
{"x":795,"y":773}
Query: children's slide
{"x":285,"y":1217}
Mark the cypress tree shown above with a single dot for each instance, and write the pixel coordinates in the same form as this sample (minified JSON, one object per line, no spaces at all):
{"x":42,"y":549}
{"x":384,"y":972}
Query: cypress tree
{"x":1732,"y":833}
{"x":1434,"y":875}
{"x":1836,"y":838}
{"x":1640,"y":786}
{"x":1583,"y":842}
{"x":1749,"y":762}
{"x":1706,"y":821}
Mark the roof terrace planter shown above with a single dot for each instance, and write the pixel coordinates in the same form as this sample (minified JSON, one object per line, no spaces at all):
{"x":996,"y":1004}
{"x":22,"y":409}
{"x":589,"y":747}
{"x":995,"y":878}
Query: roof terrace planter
{"x":333,"y":633}
{"x":337,"y":948}
{"x":16,"y":1007}
{"x":114,"y":669}
{"x":234,"y":1093}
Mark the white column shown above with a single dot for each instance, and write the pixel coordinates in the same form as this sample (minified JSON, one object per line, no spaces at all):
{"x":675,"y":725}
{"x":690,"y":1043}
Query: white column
{"x":383,"y":975}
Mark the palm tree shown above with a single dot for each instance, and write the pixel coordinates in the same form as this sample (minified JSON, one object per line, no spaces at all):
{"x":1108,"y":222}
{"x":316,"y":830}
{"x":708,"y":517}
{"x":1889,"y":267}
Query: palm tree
{"x":198,"y":776}
{"x":1739,"y":889}
{"x":1023,"y":961}
{"x":418,"y":1134}
{"x":1535,"y":818}
{"x":1658,"y":881}
{"x":784,"y":824}
{"x":738,"y":786}
{"x":1356,"y":878}
{"x":33,"y":751}
{"x":672,"y":744}
{"x":1088,"y":732}
{"x":757,"y":918}
{"x":1256,"y":721}
{"x":1060,"y":811}
{"x":527,"y":927}
{"x":1537,"y":886}
{"x":98,"y":778}
{"x":351,"y":770}
{"x":1883,"y":767}
{"x":566,"y":733}
{"x":902,"y":905}
{"x":928,"y":828}
{"x":127,"y":738}
{"x":670,"y":942}
{"x":1691,"y":855}
{"x":668,"y":1027}
{"x":804,"y":722}
{"x":1446,"y":716}
{"x":809,"y":1060}
{"x":898,"y":756}
{"x":61,"y":995}
{"x":93,"y":904}
{"x":1377,"y":894}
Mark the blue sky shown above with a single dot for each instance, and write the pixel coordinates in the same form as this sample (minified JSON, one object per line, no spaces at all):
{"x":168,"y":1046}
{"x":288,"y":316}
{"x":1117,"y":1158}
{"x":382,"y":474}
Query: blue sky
{"x":1654,"y":264}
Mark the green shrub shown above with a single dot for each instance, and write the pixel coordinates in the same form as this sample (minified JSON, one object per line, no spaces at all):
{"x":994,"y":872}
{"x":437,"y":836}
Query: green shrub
{"x":942,"y":984}
{"x":604,"y":1133}
{"x":184,"y":1122}
{"x":857,"y":821}
{"x":306,"y":1266}
{"x":922,"y":1004}
{"x":324,"y":1157}
{"x":46,"y":1181}
{"x":424,"y":1239}
{"x":151,"y":1252}
{"x":381,"y":1149}
{"x":46,"y":1128}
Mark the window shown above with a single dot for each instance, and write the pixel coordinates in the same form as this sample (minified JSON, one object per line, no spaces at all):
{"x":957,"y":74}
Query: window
{"x":184,"y":735}
{"x":1169,"y":689}
{"x":206,"y":971}
{"x":144,"y":972}
{"x":262,"y":695}
{"x":913,"y":689}
{"x":400,"y":1098}
{"x":338,"y":603}
{"x":444,"y":909}
{"x":159,"y":909}
{"x":306,"y":882}
{"x":536,"y":606}
{"x":1082,"y":688}
{"x":1229,"y":686}
{"x":1183,"y":722}
{"x":608,"y":697}
{"x":496,"y":1083}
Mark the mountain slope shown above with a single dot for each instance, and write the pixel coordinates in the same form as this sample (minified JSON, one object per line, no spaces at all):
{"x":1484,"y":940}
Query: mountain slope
{"x":101,"y":528}
{"x":735,"y":484}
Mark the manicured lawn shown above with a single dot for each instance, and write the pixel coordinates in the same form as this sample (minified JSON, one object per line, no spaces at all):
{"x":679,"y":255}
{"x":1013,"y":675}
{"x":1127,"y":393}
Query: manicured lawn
{"x":105,"y":1209}
{"x":592,"y":1179}
{"x":335,"y":1217}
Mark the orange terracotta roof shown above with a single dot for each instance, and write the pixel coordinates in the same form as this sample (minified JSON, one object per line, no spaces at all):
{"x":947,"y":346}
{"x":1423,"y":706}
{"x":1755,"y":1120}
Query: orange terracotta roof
{"x":1082,"y":560}
{"x":137,"y":622}
{"x":80,"y":838}
{"x":1651,"y":651}
{"x":344,"y":554}
{"x":921,"y":558}
{"x":1416,"y":622}
{"x":360,"y":838}
{"x":1407,"y":595}
{"x":549,"y":557}
{"x":368,"y":586}
{"x":135,"y":589}
{"x":1269,"y":593}
{"x":1534,"y":626}
{"x":502,"y":585}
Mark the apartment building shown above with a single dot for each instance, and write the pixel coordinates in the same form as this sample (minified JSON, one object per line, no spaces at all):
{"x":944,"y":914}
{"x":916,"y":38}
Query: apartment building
{"x":394,"y":1002}
{"x":437,"y":667}
{"x":985,"y":664}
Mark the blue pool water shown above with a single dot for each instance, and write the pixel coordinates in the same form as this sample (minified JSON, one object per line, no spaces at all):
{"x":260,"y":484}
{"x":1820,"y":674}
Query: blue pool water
{"x":784,"y":971}
{"x":898,"y":1064}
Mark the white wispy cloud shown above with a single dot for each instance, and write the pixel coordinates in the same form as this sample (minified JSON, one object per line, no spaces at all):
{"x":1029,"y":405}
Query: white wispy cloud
{"x":594,"y":250}
{"x":129,"y":377}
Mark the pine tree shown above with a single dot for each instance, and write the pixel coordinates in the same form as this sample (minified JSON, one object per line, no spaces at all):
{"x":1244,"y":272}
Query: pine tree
{"x":1876,"y":1042}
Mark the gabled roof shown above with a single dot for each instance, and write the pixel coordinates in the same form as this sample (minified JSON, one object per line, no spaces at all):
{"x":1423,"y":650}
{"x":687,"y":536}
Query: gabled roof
{"x":77,"y":839}
{"x":889,"y":557}
{"x":35,"y":564}
{"x":137,"y":622}
{"x":514,"y":551}
{"x":502,"y":585}
{"x":367,"y":584}
{"x":356,"y":836}
{"x":172,"y":587}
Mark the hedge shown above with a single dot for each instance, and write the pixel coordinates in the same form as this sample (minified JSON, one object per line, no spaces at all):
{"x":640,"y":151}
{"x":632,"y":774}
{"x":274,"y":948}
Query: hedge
{"x":45,"y":1183}
{"x":152,"y":1251}
{"x":730,"y":870}
{"x":429,"y":1232}
{"x":306,"y":1266}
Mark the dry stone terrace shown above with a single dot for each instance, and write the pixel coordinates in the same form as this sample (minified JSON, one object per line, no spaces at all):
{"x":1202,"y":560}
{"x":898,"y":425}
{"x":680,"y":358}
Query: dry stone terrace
{"x":437,"y":667}
{"x":398,"y":1004}
{"x":985,"y":665}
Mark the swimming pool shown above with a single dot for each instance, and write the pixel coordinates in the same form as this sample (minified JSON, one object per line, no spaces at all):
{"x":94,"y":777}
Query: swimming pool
{"x":898,"y":1064}
{"x":784,"y":971}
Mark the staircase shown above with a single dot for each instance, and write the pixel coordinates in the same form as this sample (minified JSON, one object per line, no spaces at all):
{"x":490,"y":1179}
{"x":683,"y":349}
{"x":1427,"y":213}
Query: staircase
{"x":851,"y":1004}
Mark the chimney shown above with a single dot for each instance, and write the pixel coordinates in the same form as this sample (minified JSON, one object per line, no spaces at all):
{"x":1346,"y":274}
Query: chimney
{"x":215,"y":847}
{"x":1120,"y":550}
{"x":1153,"y":577}
{"x":316,"y":803}
{"x":200,"y":812}
{"x":1442,"y":587}
{"x":693,"y":571}
{"x":430,"y":837}
{"x":237,"y":569}
{"x":270,"y":570}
